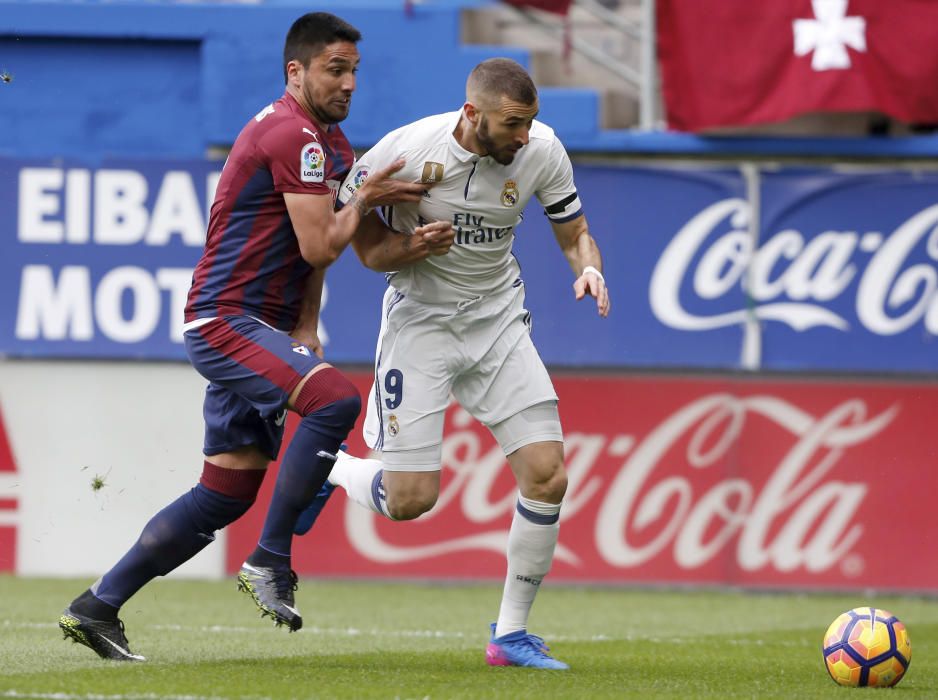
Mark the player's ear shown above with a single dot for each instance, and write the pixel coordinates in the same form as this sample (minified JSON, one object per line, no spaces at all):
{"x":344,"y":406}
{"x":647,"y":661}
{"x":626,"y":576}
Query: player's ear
{"x":472,"y":113}
{"x":294,"y":73}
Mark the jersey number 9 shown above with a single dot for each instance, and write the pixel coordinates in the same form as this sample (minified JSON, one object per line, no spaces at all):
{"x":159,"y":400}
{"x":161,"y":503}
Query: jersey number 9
{"x":394,"y":387}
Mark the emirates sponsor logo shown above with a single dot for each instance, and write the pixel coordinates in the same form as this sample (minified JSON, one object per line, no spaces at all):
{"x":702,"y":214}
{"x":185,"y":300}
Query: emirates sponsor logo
{"x":893,"y":293}
{"x":670,"y":493}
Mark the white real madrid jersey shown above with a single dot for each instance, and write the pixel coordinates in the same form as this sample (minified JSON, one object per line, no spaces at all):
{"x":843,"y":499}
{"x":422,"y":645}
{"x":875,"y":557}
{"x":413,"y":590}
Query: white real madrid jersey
{"x":482,"y":198}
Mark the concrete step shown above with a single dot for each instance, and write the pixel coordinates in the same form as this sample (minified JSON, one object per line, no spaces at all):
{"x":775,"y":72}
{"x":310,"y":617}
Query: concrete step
{"x":617,"y":100}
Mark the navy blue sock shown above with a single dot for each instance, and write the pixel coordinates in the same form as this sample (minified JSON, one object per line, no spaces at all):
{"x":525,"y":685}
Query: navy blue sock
{"x":173,"y":536}
{"x":90,"y":606}
{"x":302,"y":473}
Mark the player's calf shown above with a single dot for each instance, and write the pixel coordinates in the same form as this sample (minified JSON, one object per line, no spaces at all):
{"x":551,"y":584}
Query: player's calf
{"x":408,"y":495}
{"x":329,"y":405}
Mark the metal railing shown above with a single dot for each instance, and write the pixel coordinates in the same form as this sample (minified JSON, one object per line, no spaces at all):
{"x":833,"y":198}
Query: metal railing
{"x":643,"y":77}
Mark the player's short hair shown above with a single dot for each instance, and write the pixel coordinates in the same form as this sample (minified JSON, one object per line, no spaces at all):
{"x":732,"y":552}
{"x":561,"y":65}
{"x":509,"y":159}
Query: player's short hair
{"x":501,"y":77}
{"x":311,"y":33}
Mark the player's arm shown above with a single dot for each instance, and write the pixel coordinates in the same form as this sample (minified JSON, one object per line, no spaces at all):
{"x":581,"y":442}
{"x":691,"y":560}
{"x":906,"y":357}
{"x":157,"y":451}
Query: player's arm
{"x":557,"y":193}
{"x":307,"y":324}
{"x":583,"y":255}
{"x":378,"y":246}
{"x":382,"y":249}
{"x":323,"y":233}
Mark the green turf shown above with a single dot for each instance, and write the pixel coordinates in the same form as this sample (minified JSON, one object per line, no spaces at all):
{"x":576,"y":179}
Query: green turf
{"x":372,"y":640}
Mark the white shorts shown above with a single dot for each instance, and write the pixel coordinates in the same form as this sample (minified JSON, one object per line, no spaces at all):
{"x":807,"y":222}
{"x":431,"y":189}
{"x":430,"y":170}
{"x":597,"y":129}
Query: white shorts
{"x":480,"y":352}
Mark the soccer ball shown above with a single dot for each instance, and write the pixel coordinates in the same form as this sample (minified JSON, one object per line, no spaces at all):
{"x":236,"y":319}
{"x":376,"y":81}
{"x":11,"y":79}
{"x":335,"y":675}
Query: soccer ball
{"x":867,"y":647}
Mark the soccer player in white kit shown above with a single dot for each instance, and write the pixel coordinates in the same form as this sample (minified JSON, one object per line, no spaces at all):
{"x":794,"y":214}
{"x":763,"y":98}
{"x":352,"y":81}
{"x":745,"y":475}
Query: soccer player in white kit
{"x":455,"y":323}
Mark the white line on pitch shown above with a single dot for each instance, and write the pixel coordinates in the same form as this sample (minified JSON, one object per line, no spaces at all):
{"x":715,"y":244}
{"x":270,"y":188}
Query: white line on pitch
{"x":129,"y":696}
{"x":420,"y":634}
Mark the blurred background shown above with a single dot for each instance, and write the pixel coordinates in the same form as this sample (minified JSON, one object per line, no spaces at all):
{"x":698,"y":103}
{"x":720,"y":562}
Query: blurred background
{"x":762,"y":179}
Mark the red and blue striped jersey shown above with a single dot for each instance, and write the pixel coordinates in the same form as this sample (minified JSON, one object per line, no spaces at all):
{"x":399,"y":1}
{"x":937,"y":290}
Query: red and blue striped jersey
{"x":251,"y":264}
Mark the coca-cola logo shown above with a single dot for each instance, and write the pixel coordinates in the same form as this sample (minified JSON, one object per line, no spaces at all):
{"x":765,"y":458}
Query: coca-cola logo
{"x":655,"y":502}
{"x":892,"y":293}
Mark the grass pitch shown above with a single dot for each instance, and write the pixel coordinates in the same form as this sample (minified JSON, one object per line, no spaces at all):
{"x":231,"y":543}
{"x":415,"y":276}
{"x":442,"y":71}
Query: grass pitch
{"x":204,"y":640}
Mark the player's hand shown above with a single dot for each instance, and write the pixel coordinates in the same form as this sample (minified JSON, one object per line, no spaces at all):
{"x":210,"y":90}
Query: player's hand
{"x":380,"y":188}
{"x":594,"y":285}
{"x":310,"y":338}
{"x":438,"y":236}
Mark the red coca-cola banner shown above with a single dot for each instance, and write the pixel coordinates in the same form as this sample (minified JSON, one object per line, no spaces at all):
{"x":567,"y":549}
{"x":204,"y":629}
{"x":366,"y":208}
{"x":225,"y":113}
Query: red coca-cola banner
{"x":704,"y":481}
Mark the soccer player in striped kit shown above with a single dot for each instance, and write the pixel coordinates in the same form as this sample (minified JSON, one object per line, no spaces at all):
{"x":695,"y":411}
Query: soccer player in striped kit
{"x":251,"y":330}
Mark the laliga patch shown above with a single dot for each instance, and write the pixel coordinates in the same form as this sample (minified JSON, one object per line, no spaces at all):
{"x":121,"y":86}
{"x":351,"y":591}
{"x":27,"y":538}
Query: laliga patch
{"x":301,"y":349}
{"x":360,"y":176}
{"x":509,"y":194}
{"x":312,"y":162}
{"x":432,"y":172}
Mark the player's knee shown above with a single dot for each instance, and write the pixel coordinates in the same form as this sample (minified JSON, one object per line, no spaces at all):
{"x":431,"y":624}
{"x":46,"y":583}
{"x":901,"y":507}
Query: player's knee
{"x":551,"y":490}
{"x":331,"y":397}
{"x":342,"y":413}
{"x":237,"y":486}
{"x":557,"y":486}
{"x":224,"y":495}
{"x":547,"y":484}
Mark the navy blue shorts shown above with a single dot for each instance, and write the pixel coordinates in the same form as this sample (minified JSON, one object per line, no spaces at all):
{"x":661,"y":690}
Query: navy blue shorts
{"x":252,"y":369}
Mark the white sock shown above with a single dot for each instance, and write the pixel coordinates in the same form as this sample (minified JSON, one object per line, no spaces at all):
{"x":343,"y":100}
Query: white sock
{"x":531,"y":543}
{"x":361,"y":479}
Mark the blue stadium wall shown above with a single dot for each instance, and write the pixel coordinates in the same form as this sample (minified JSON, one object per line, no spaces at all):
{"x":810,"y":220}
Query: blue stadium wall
{"x":173,"y":80}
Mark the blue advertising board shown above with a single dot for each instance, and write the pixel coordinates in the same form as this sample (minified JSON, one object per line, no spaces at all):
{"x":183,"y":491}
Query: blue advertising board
{"x":837,"y":274}
{"x":853,"y":257}
{"x":97,"y":261}
{"x":632,"y":212}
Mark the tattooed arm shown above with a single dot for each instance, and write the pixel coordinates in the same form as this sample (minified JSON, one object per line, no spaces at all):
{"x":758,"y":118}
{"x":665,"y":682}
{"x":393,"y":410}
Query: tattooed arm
{"x":323,"y":233}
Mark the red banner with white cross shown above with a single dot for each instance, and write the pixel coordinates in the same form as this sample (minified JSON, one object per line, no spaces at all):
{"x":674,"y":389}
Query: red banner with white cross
{"x":735,"y":62}
{"x":757,"y":483}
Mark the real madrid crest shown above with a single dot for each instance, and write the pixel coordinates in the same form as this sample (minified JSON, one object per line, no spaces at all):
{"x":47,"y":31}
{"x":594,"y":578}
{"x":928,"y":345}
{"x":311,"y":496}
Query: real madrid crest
{"x":509,"y":194}
{"x":393,"y":426}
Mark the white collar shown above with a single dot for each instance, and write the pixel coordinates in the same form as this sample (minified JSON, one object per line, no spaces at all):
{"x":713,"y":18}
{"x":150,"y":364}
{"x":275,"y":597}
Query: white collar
{"x":461,"y":153}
